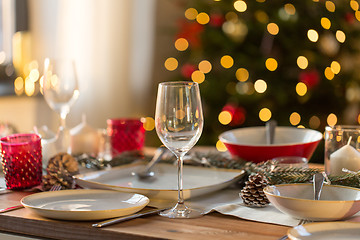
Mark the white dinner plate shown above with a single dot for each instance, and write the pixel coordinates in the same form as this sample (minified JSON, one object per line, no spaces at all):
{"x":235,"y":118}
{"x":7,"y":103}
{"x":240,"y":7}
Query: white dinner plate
{"x":326,"y":230}
{"x":196,"y":180}
{"x":84,"y":204}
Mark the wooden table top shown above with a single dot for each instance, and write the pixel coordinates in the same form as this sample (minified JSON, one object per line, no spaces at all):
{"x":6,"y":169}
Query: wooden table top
{"x":210,"y":226}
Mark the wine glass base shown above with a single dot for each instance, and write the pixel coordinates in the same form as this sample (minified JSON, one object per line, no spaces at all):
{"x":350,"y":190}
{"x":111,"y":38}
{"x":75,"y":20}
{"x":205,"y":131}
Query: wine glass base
{"x":181,"y":211}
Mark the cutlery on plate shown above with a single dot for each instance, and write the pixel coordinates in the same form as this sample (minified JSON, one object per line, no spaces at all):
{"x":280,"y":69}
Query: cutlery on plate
{"x":147,"y":173}
{"x":128,"y":217}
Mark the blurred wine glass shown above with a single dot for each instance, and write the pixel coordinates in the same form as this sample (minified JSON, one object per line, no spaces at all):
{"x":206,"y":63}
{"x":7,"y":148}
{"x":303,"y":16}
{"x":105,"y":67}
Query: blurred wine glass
{"x":60,"y":90}
{"x":179,"y":123}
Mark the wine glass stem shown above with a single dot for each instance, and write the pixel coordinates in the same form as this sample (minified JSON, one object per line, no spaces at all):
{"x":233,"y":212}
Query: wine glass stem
{"x":180,"y":180}
{"x":63,"y":120}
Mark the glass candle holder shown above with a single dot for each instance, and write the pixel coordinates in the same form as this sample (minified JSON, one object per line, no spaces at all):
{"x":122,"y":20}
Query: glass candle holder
{"x":21,"y":160}
{"x":125,"y":135}
{"x":342,"y":149}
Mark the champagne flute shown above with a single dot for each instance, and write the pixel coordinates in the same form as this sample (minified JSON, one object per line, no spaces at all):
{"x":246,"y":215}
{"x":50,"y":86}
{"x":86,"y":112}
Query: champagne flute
{"x":60,"y":90}
{"x":179,"y":123}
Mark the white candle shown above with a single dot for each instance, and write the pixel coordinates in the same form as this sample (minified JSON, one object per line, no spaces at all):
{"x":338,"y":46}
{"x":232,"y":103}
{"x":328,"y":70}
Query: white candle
{"x":345,"y":157}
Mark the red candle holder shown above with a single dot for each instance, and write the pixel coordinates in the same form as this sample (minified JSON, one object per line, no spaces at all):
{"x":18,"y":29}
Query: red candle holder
{"x":125,"y":135}
{"x":21,"y":160}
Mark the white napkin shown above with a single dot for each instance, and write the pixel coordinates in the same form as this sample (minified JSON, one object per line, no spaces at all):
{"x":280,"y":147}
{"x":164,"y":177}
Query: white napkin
{"x":228,"y":202}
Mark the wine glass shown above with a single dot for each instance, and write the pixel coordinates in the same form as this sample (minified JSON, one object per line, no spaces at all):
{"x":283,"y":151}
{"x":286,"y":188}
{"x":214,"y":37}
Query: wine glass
{"x":179,"y":123}
{"x":60,"y":90}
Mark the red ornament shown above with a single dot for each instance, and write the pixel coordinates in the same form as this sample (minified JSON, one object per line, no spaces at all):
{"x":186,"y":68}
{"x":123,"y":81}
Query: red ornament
{"x":350,"y":18}
{"x":238,"y":114}
{"x":311,"y":78}
{"x":191,"y":31}
{"x":187,"y":69}
{"x":216,"y":20}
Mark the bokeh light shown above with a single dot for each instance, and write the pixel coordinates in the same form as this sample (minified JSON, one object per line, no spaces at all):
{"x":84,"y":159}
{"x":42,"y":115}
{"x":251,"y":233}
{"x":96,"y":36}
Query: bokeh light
{"x":290,"y":9}
{"x":203,"y":18}
{"x":240,"y":6}
{"x":302,"y":62}
{"x":181,"y":44}
{"x":198,"y":76}
{"x":354,"y":5}
{"x":313,"y":35}
{"x":273,"y":28}
{"x":171,"y":64}
{"x":340,"y":36}
{"x":271,"y":64}
{"x":265,"y":114}
{"x":191,"y":13}
{"x":205,"y":66}
{"x":220,"y":146}
{"x":335,"y":67}
{"x":301,"y":89}
{"x":149,"y":124}
{"x":329,"y":74}
{"x":260,"y":86}
{"x":314,"y":122}
{"x":225,"y":117}
{"x":325,"y":23}
{"x":330,"y":6}
{"x":242,"y":74}
{"x":227,"y":61}
{"x":331,"y":119}
{"x":261,"y":16}
{"x":295,"y":118}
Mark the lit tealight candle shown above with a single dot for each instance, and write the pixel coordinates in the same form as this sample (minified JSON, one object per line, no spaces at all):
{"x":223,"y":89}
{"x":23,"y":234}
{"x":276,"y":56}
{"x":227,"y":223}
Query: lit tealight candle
{"x":345,"y":157}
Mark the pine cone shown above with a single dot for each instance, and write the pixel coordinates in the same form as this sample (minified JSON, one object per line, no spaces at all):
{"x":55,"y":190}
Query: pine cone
{"x":252,"y":194}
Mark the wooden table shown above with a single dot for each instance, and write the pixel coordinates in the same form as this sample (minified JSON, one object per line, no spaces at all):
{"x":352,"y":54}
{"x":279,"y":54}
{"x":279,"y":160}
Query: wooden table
{"x":211,"y":226}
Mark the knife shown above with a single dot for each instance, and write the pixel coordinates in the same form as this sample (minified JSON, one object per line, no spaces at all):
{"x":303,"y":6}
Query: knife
{"x":4,"y":210}
{"x":128,"y":217}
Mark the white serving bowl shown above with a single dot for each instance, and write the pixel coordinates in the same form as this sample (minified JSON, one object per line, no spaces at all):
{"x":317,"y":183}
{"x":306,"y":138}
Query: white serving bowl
{"x":250,"y":143}
{"x":296,"y":200}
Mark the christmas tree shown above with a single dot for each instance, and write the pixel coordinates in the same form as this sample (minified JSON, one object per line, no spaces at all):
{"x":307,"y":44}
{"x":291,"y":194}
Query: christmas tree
{"x":295,"y":62}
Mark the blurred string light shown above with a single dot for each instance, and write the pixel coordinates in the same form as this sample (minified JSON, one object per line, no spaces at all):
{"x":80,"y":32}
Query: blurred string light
{"x":227,"y":61}
{"x":240,"y":6}
{"x":203,"y":18}
{"x":330,"y":6}
{"x":301,"y":89}
{"x":181,"y":44}
{"x":148,"y":123}
{"x":171,"y":64}
{"x":273,"y":28}
{"x":331,"y":119}
{"x":271,"y":64}
{"x":225,"y":117}
{"x":198,"y":76}
{"x":295,"y":118}
{"x":313,"y":35}
{"x":205,"y":66}
{"x":329,"y":74}
{"x":265,"y":114}
{"x":302,"y":62}
{"x":242,"y":74}
{"x":325,"y":23}
{"x":260,"y":86}
{"x":220,"y":146}
{"x":191,"y":13}
{"x":340,"y":36}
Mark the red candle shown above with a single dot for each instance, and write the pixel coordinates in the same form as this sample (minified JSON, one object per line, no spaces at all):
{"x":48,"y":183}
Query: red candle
{"x":21,"y":160}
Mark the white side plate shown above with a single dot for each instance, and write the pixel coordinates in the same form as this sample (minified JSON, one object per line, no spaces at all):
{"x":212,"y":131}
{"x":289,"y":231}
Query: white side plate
{"x":82,"y":204}
{"x":196,"y":180}
{"x":326,"y":231}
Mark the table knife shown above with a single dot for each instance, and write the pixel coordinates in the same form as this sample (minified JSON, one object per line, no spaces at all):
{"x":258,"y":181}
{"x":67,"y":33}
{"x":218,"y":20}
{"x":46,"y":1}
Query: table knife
{"x":128,"y":217}
{"x":4,"y":210}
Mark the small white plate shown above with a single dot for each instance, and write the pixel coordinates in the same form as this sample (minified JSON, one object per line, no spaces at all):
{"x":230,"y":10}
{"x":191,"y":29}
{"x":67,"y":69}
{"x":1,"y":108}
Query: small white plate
{"x":82,"y":204}
{"x":197,"y":181}
{"x":326,"y":230}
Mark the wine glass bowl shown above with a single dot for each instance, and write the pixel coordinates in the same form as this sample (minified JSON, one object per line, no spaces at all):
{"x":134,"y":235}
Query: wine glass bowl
{"x":60,"y":88}
{"x":179,"y":123}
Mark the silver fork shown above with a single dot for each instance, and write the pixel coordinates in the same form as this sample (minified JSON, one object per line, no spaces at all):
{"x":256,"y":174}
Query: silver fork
{"x":4,"y":210}
{"x":301,"y":222}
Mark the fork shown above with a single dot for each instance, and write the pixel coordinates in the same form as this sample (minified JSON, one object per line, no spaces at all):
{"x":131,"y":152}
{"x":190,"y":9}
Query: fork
{"x":301,"y":222}
{"x":4,"y":210}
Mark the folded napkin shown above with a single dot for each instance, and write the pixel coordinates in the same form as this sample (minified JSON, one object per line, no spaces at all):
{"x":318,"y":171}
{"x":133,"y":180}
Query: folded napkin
{"x":228,"y":202}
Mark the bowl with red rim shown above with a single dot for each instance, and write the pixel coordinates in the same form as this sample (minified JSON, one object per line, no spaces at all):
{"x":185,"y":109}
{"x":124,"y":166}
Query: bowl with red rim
{"x":249,"y":143}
